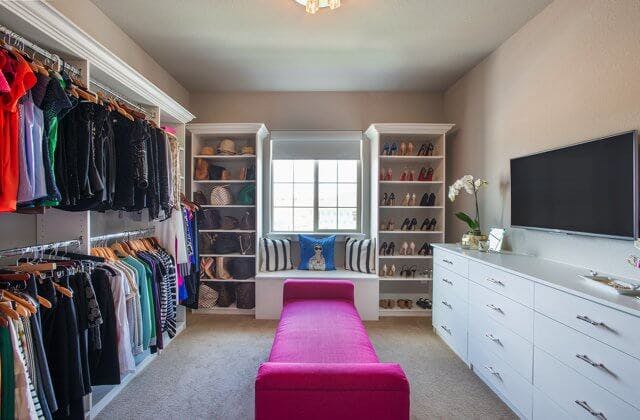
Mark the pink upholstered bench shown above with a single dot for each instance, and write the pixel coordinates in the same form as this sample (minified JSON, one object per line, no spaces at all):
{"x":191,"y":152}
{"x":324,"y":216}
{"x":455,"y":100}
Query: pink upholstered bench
{"x":322,"y":364}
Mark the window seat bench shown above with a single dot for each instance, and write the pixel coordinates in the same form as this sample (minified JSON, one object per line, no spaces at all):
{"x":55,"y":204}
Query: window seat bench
{"x":269,"y":287}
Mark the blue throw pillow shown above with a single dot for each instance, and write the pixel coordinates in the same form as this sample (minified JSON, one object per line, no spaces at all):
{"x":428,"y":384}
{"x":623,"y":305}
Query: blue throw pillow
{"x":316,"y":253}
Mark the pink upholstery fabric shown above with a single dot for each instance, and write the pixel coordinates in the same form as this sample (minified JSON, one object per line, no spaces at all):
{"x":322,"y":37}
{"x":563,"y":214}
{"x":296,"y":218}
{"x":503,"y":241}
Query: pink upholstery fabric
{"x":322,"y":363}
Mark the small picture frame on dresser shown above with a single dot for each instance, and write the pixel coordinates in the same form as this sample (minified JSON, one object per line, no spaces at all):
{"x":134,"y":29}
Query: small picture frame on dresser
{"x":496,"y":237}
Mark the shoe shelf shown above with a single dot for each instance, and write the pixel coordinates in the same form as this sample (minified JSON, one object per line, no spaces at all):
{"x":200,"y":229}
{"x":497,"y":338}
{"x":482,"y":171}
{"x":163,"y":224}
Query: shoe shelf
{"x":244,"y":136}
{"x":401,"y":174}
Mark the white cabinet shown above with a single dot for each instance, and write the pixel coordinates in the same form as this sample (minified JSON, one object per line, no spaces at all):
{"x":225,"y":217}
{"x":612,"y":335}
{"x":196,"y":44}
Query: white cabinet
{"x":537,"y":336}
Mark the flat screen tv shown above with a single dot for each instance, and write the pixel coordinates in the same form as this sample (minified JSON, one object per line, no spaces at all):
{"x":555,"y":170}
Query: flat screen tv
{"x":589,"y":188}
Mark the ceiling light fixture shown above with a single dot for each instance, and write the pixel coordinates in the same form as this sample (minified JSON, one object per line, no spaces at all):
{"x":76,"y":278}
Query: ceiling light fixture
{"x":313,"y":6}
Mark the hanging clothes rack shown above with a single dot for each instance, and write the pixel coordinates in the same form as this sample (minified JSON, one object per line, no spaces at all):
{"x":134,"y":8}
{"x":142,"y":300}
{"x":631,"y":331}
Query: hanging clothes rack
{"x":38,"y":248}
{"x":54,"y":58}
{"x":111,"y":92}
{"x":131,"y":234}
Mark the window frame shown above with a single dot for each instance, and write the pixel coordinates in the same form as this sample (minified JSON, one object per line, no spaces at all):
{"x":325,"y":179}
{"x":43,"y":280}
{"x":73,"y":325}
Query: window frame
{"x":358,"y":231}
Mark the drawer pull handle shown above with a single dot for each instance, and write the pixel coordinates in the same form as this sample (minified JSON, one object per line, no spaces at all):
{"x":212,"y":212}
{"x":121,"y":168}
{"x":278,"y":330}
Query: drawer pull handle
{"x":592,"y":322}
{"x":495,"y":308}
{"x":446,"y":329}
{"x":494,"y":281}
{"x":494,"y":339}
{"x":588,"y":360}
{"x":447,"y":261}
{"x":447,"y":281}
{"x":591,"y":411}
{"x":447,"y":304}
{"x":493,"y":372}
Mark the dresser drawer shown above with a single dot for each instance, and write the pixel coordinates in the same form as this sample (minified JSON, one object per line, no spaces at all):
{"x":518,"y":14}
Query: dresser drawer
{"x":612,"y":327}
{"x":456,"y":263}
{"x":574,"y":393}
{"x":444,"y":279}
{"x":506,"y":344}
{"x":544,"y":408}
{"x":509,"y":285}
{"x":453,"y":330}
{"x":513,"y":315}
{"x":447,"y":302}
{"x":498,"y":373}
{"x":613,"y":370}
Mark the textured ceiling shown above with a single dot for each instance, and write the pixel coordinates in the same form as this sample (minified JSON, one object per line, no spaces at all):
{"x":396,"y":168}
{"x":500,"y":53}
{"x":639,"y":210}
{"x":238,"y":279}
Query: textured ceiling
{"x":273,"y":45}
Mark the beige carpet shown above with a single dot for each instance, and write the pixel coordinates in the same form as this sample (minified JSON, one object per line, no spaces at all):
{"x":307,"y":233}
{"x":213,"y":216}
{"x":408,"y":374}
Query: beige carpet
{"x":208,"y":373}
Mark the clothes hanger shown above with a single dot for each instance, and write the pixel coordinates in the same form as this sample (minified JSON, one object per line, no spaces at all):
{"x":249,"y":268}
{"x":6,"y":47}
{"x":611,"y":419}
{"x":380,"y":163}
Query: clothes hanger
{"x":6,"y":309}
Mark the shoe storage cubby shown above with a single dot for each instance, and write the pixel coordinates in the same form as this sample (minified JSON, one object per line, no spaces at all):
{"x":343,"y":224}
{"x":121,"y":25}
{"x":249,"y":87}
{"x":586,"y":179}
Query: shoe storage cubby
{"x":227,"y":158}
{"x":407,"y":160}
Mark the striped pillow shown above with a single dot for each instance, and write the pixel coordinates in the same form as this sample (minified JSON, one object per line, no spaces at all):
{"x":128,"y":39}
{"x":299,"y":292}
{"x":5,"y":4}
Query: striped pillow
{"x":359,"y":255}
{"x":276,"y":254}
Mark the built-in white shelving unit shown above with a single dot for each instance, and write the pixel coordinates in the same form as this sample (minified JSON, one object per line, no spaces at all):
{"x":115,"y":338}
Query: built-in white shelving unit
{"x":210,"y":135}
{"x":398,"y":286}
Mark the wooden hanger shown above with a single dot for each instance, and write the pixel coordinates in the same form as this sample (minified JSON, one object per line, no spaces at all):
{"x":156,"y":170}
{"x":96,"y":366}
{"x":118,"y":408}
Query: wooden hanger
{"x":63,"y":290}
{"x":32,"y":268}
{"x":20,"y":301}
{"x":6,"y":309}
{"x":14,"y":277}
{"x":44,"y":302}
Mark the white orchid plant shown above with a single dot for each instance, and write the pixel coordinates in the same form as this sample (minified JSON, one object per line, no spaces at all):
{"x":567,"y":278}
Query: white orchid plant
{"x":471,"y":185}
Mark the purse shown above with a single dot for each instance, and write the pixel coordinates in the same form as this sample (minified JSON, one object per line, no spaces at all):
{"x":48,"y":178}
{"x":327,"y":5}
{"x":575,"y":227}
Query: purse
{"x":221,"y":196}
{"x":242,"y":268}
{"x":229,"y":223}
{"x":246,"y":222}
{"x":216,"y":172}
{"x":221,"y":271}
{"x":209,"y":219}
{"x":246,"y":295}
{"x":201,"y":170}
{"x":207,"y":296}
{"x":226,"y":294}
{"x":200,"y":198}
{"x":246,"y":196}
{"x":206,"y":242}
{"x":226,"y":243}
{"x":251,"y":172}
{"x":246,"y":244}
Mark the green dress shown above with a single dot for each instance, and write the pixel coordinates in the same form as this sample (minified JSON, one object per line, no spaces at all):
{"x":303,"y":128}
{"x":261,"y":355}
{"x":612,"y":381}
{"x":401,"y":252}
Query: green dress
{"x":7,"y":408}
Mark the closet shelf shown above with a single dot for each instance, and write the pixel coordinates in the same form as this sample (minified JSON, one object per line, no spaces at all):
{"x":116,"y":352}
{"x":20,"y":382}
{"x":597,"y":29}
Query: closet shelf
{"x":410,"y":232}
{"x":411,"y":158}
{"x":228,"y":181}
{"x":229,"y":255}
{"x":231,"y":310}
{"x":412,"y":182}
{"x":225,"y":157}
{"x":227,"y":230}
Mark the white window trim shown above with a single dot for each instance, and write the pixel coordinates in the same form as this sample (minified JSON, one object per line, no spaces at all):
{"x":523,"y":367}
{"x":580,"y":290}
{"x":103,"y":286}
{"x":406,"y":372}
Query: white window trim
{"x":363,"y":183}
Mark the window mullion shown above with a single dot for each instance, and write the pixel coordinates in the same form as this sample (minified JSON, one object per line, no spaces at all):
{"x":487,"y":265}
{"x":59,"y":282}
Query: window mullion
{"x":316,"y":187}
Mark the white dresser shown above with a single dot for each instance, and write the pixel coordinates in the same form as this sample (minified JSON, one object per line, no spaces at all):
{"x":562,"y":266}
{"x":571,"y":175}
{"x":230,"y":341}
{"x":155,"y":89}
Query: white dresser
{"x":545,"y":341}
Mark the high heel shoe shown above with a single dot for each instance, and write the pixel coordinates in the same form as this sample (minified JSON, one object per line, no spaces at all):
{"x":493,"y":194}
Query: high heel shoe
{"x":413,"y":269}
{"x":429,"y":176}
{"x":405,"y":175}
{"x":391,"y":249}
{"x":410,"y":149}
{"x":385,"y":149}
{"x":404,"y":271}
{"x":412,"y":200}
{"x":428,"y":200}
{"x":422,"y":150}
{"x":432,"y":224}
{"x":389,"y":175}
{"x":383,"y":248}
{"x":403,"y":249}
{"x":413,"y":224}
{"x":405,"y":200}
{"x":393,"y":150}
{"x":391,"y":225}
{"x":403,"y":149}
{"x":382,"y":174}
{"x":392,"y":200}
{"x":383,"y":271}
{"x":425,"y":224}
{"x":429,"y":150}
{"x":412,"y":175}
{"x":424,"y":250}
{"x":432,"y":200}
{"x":385,"y":198}
{"x":422,"y":176}
{"x":392,"y":270}
{"x":412,"y":250}
{"x":405,"y":224}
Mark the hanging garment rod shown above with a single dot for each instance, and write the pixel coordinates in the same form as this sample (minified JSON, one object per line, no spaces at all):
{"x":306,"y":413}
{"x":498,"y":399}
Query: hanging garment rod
{"x":37,"y":248}
{"x":111,"y":92}
{"x":127,"y":234}
{"x":50,"y":56}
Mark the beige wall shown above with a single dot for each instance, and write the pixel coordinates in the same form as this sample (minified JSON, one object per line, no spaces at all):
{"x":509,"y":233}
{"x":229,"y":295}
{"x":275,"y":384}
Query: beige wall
{"x":317,"y":110}
{"x":572,"y":73}
{"x":91,"y":19}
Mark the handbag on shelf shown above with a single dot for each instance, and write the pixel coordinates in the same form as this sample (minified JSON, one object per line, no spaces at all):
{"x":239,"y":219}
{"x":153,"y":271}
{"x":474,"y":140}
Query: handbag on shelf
{"x":200,"y":198}
{"x":243,"y":174}
{"x":242,"y":268}
{"x":209,"y":219}
{"x":246,"y":196}
{"x":251,"y":173}
{"x":246,"y":295}
{"x":221,"y":269}
{"x":246,"y":221}
{"x":207,"y":296}
{"x":226,"y":175}
{"x":229,"y":223}
{"x":215,"y":172}
{"x":247,"y":244}
{"x":201,"y":170}
{"x":206,"y":242}
{"x":207,"y":268}
{"x":226,"y":294}
{"x":226,"y":243}
{"x":221,"y":196}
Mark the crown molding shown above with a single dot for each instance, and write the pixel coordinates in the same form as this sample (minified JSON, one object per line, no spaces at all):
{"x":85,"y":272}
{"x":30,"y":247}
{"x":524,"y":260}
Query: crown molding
{"x":54,"y":24}
{"x":425,"y":128}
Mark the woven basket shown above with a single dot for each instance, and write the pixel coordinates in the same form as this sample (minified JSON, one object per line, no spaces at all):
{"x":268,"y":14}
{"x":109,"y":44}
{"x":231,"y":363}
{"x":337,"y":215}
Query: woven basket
{"x":221,"y":196}
{"x":207,"y":296}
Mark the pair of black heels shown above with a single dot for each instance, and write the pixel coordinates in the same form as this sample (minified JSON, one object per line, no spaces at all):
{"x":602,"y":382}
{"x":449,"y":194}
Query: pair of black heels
{"x":426,"y":150}
{"x":411,"y":224}
{"x":408,"y":272}
{"x":425,"y":249}
{"x":429,"y":224}
{"x":428,"y":200}
{"x":388,"y":200}
{"x":387,"y":249}
{"x":424,"y":303}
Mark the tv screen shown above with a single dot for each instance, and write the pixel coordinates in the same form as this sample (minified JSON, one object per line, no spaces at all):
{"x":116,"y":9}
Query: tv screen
{"x":588,"y":188}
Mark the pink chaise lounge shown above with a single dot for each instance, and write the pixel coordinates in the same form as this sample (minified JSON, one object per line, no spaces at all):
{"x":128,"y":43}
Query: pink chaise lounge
{"x":322,"y":364}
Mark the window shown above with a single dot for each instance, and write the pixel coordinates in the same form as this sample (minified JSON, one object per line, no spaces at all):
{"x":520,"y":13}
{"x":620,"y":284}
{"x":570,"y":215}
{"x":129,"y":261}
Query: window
{"x":312,"y":193}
